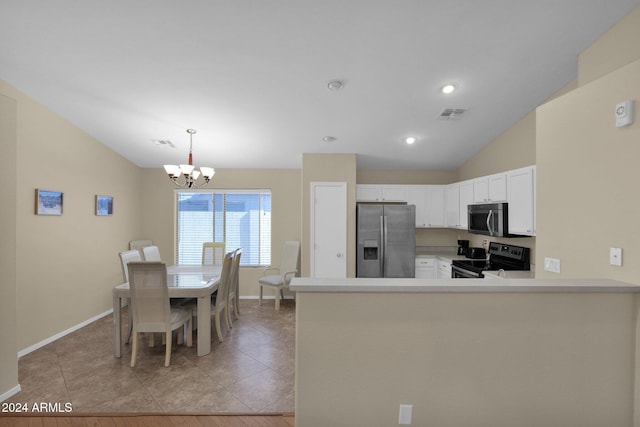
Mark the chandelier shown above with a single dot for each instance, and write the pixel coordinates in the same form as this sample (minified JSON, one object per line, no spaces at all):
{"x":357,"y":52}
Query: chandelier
{"x":185,"y":175}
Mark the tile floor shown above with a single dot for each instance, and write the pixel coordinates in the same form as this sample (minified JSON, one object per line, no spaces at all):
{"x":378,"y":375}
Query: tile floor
{"x":252,"y":371}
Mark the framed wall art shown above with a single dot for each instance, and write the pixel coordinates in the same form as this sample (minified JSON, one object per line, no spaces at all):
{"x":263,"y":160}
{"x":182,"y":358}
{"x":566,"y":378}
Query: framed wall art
{"x":48,"y":202}
{"x":104,"y":205}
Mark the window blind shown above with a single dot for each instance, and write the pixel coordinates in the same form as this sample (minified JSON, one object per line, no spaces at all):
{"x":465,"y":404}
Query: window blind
{"x":239,"y":218}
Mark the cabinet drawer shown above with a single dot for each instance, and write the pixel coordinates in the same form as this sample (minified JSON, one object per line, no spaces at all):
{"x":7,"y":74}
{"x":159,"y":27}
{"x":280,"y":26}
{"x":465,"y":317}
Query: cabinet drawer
{"x":425,"y":262}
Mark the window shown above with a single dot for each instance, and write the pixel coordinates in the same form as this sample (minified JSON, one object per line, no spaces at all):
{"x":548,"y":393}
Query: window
{"x":237,"y":218}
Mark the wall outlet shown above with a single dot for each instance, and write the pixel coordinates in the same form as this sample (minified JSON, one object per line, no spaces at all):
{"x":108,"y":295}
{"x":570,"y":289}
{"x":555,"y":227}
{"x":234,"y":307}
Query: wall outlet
{"x":615,"y":256}
{"x":404,"y":417}
{"x":552,"y":265}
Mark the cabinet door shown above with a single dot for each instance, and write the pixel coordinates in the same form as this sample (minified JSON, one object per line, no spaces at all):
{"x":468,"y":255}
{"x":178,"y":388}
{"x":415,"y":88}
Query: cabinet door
{"x":481,"y":190}
{"x":425,"y":268}
{"x":394,"y":193}
{"x":444,"y":269}
{"x":368,"y":193}
{"x":466,"y":198}
{"x":497,"y":187}
{"x":416,"y":195}
{"x":521,"y":199}
{"x":452,"y":206}
{"x":435,"y":205}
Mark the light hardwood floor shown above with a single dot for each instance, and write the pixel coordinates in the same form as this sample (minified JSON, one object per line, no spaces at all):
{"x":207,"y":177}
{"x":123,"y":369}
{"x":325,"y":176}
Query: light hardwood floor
{"x":250,"y":372}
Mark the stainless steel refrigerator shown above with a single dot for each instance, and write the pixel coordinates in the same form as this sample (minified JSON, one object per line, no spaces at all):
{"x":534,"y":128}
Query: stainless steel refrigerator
{"x":386,"y":240}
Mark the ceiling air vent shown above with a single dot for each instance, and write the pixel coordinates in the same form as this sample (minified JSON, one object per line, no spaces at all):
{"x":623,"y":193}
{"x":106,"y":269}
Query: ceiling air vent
{"x":451,"y":113}
{"x":164,"y":142}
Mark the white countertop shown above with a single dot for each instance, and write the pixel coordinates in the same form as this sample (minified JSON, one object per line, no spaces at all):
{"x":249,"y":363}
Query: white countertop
{"x":302,"y":284}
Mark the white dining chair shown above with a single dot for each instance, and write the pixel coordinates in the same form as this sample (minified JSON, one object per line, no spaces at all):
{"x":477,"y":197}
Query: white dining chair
{"x":219,"y":305}
{"x":283,"y":275}
{"x":151,"y":253}
{"x":151,"y":309}
{"x":212,"y":253}
{"x":139,"y":244}
{"x":234,"y":286}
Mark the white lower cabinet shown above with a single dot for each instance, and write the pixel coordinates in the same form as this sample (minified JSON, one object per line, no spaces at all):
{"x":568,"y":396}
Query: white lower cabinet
{"x":425,"y":267}
{"x":444,"y":269}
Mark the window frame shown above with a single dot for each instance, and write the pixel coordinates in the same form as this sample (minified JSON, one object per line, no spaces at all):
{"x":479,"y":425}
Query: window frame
{"x":224,"y":192}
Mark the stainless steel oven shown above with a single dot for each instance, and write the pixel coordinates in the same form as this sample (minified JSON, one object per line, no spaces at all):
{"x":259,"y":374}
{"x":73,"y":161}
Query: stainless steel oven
{"x":501,"y":257}
{"x":458,"y":272}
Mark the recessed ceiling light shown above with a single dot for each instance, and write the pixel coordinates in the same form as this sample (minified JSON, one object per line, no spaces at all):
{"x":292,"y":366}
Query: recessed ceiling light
{"x":410,"y":140}
{"x":329,"y":138}
{"x":335,"y":85}
{"x":448,"y":88}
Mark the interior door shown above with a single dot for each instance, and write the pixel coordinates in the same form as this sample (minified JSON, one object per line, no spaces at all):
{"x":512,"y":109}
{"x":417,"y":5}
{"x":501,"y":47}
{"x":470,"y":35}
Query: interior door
{"x":328,"y":229}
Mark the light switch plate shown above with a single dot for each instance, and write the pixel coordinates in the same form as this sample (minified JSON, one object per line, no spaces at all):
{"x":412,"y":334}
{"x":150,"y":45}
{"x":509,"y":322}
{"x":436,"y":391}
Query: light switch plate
{"x":405,"y":414}
{"x":552,"y":265}
{"x":615,"y":256}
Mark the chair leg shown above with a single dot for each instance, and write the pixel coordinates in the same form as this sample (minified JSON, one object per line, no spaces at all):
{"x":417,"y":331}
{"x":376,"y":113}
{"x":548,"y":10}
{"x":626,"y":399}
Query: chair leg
{"x":227,"y":311}
{"x":277,"y":299}
{"x":167,"y":355}
{"x":260,"y":298}
{"x":218,"y":328}
{"x":134,"y":349}
{"x":188,"y":328}
{"x":180,"y":338}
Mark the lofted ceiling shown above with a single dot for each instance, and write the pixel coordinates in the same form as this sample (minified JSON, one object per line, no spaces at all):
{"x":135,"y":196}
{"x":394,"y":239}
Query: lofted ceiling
{"x":251,"y":76}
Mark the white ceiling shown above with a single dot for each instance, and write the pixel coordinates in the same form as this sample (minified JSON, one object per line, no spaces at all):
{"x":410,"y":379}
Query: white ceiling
{"x":251,"y":75}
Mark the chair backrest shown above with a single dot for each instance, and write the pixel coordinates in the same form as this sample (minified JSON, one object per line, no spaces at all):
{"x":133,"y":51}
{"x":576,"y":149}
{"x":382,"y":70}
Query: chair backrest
{"x":149,"y":296}
{"x":125,"y":258}
{"x":290,"y":256}
{"x":212,"y":253}
{"x":235,"y":271}
{"x":225,"y":279}
{"x":151,"y":253}
{"x":139,"y":244}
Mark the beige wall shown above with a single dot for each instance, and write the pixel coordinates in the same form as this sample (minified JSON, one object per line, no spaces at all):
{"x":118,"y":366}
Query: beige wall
{"x":392,"y":176}
{"x":616,"y":48}
{"x":465,"y":359}
{"x":587,"y":179}
{"x":515,"y":148}
{"x":329,"y":168}
{"x":158,"y":211}
{"x":8,"y":219}
{"x":66,"y":265}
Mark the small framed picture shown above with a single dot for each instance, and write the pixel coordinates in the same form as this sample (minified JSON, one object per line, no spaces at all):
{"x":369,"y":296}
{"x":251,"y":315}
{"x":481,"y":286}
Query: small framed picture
{"x":104,"y":205}
{"x":48,"y":202}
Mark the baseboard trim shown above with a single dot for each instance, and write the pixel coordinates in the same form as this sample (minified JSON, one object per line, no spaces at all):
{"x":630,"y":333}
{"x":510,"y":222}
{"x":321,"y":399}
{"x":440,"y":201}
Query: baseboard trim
{"x":12,"y":391}
{"x":59,"y":335}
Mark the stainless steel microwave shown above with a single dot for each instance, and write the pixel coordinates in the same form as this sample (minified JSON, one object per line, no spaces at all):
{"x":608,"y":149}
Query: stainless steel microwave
{"x":491,"y":219}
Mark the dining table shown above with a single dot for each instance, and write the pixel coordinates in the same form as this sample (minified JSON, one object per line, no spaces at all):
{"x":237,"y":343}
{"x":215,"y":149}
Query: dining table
{"x":183,"y":281}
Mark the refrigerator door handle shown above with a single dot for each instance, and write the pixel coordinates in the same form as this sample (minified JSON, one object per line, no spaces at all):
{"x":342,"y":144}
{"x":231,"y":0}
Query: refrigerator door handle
{"x":383,"y":264}
{"x":383,"y":237}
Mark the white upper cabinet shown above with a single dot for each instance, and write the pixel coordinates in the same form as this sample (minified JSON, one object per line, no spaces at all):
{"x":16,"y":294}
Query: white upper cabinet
{"x":429,"y":201}
{"x":492,"y":188}
{"x":466,"y":199}
{"x":416,"y":195}
{"x":452,"y":205}
{"x":435,"y":206}
{"x":521,"y":197}
{"x":381,"y":193}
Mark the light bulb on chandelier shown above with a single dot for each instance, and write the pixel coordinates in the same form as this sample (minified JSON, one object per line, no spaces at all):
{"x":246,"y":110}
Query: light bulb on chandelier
{"x":185,"y":175}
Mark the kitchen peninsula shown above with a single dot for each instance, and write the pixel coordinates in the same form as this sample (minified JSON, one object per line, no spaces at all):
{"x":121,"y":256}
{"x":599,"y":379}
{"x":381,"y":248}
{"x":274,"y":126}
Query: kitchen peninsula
{"x":492,"y":352}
